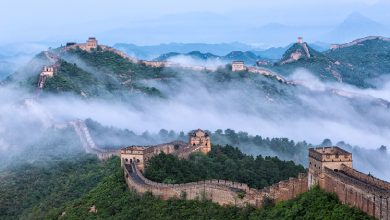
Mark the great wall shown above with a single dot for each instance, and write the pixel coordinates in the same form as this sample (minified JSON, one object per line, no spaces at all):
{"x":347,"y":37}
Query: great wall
{"x":92,"y":45}
{"x":330,"y":167}
{"x":86,"y":141}
{"x":338,"y":46}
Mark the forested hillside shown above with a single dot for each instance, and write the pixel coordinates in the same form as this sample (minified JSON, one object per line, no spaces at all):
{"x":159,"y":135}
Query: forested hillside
{"x":223,"y":163}
{"x":53,"y":178}
{"x":354,"y":64}
{"x":41,"y":177}
{"x":112,"y":200}
{"x":248,"y":57}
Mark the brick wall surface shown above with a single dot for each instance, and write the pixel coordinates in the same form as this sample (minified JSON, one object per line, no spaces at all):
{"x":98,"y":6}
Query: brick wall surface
{"x":220,"y":191}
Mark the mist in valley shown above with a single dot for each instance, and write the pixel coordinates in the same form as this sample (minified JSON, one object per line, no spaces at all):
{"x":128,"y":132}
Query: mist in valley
{"x":212,"y":101}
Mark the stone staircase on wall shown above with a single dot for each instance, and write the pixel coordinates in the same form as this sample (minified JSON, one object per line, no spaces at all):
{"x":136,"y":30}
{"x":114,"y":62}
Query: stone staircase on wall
{"x":87,"y":142}
{"x":306,"y":49}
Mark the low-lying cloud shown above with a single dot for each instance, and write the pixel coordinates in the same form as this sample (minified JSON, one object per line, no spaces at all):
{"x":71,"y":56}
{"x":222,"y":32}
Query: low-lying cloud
{"x":212,"y":105}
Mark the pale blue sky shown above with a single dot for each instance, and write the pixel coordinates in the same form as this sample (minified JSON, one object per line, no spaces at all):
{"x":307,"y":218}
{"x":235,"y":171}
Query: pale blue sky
{"x":22,"y":12}
{"x":59,"y":21}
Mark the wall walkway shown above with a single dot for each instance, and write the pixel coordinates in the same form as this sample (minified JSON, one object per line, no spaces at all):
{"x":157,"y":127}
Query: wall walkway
{"x":87,"y":142}
{"x":220,"y":191}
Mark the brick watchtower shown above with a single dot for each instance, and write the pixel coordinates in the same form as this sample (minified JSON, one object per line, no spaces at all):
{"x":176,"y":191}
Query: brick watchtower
{"x":320,"y":158}
{"x":91,"y":43}
{"x":238,"y":66}
{"x":200,"y":137}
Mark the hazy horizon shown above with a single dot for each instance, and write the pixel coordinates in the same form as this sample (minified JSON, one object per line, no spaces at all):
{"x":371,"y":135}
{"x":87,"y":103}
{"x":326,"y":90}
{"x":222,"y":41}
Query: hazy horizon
{"x":133,"y":22}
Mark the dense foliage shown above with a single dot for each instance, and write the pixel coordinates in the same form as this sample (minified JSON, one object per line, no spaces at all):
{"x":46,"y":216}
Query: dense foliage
{"x":70,"y":78}
{"x":113,"y":200}
{"x":248,"y":57}
{"x":111,"y":63}
{"x":224,"y":163}
{"x":47,"y":174}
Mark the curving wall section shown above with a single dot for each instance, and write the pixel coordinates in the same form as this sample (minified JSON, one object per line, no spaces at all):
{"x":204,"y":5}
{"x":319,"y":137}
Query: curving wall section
{"x":220,"y":191}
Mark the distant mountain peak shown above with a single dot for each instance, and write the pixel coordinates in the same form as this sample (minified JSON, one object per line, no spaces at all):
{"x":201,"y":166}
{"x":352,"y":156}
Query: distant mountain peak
{"x":356,"y":17}
{"x":356,"y":26}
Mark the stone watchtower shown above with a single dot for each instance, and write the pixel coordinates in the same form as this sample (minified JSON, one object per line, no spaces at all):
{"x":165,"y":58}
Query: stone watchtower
{"x":320,"y":158}
{"x":238,"y":66}
{"x":300,"y":40}
{"x":91,"y":43}
{"x":138,"y":154}
{"x":202,"y":138}
{"x":334,"y":46}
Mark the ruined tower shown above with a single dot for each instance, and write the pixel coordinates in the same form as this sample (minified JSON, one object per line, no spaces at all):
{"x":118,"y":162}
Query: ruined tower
{"x":202,"y":138}
{"x":300,"y":40}
{"x":238,"y":66}
{"x":320,"y":158}
{"x":47,"y":72}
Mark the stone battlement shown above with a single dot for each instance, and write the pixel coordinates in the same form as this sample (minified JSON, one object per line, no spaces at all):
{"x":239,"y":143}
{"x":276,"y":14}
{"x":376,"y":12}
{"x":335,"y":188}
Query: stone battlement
{"x":338,"y":46}
{"x":356,"y":183}
{"x":87,"y":142}
{"x":330,"y":154}
{"x":364,"y":177}
{"x":197,"y":141}
{"x":236,"y":66}
{"x":331,"y":168}
{"x":221,"y":191}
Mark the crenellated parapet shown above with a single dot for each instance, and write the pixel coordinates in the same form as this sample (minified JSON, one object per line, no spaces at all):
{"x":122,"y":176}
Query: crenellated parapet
{"x":220,"y":191}
{"x":331,"y":168}
{"x":87,"y":142}
{"x":366,"y":178}
{"x":198,"y":141}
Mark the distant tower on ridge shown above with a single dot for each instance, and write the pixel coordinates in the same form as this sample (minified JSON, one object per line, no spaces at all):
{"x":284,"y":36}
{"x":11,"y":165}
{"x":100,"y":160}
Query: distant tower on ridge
{"x":300,"y":40}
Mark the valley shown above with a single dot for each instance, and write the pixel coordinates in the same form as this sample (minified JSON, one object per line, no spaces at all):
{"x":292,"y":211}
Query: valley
{"x":58,"y":82}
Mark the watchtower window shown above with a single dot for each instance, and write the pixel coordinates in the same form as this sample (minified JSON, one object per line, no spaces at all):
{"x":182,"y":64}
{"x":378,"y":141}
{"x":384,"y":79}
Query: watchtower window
{"x":137,"y":160}
{"x":127,"y":160}
{"x":131,"y":160}
{"x":193,"y":144}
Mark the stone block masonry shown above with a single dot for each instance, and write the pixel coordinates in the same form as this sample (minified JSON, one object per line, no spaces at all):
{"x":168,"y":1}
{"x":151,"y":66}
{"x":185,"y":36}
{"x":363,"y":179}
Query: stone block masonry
{"x":329,"y":167}
{"x":197,"y":141}
{"x":332,"y":169}
{"x":220,"y":191}
{"x":135,"y":159}
{"x":87,"y":142}
{"x":338,"y":46}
